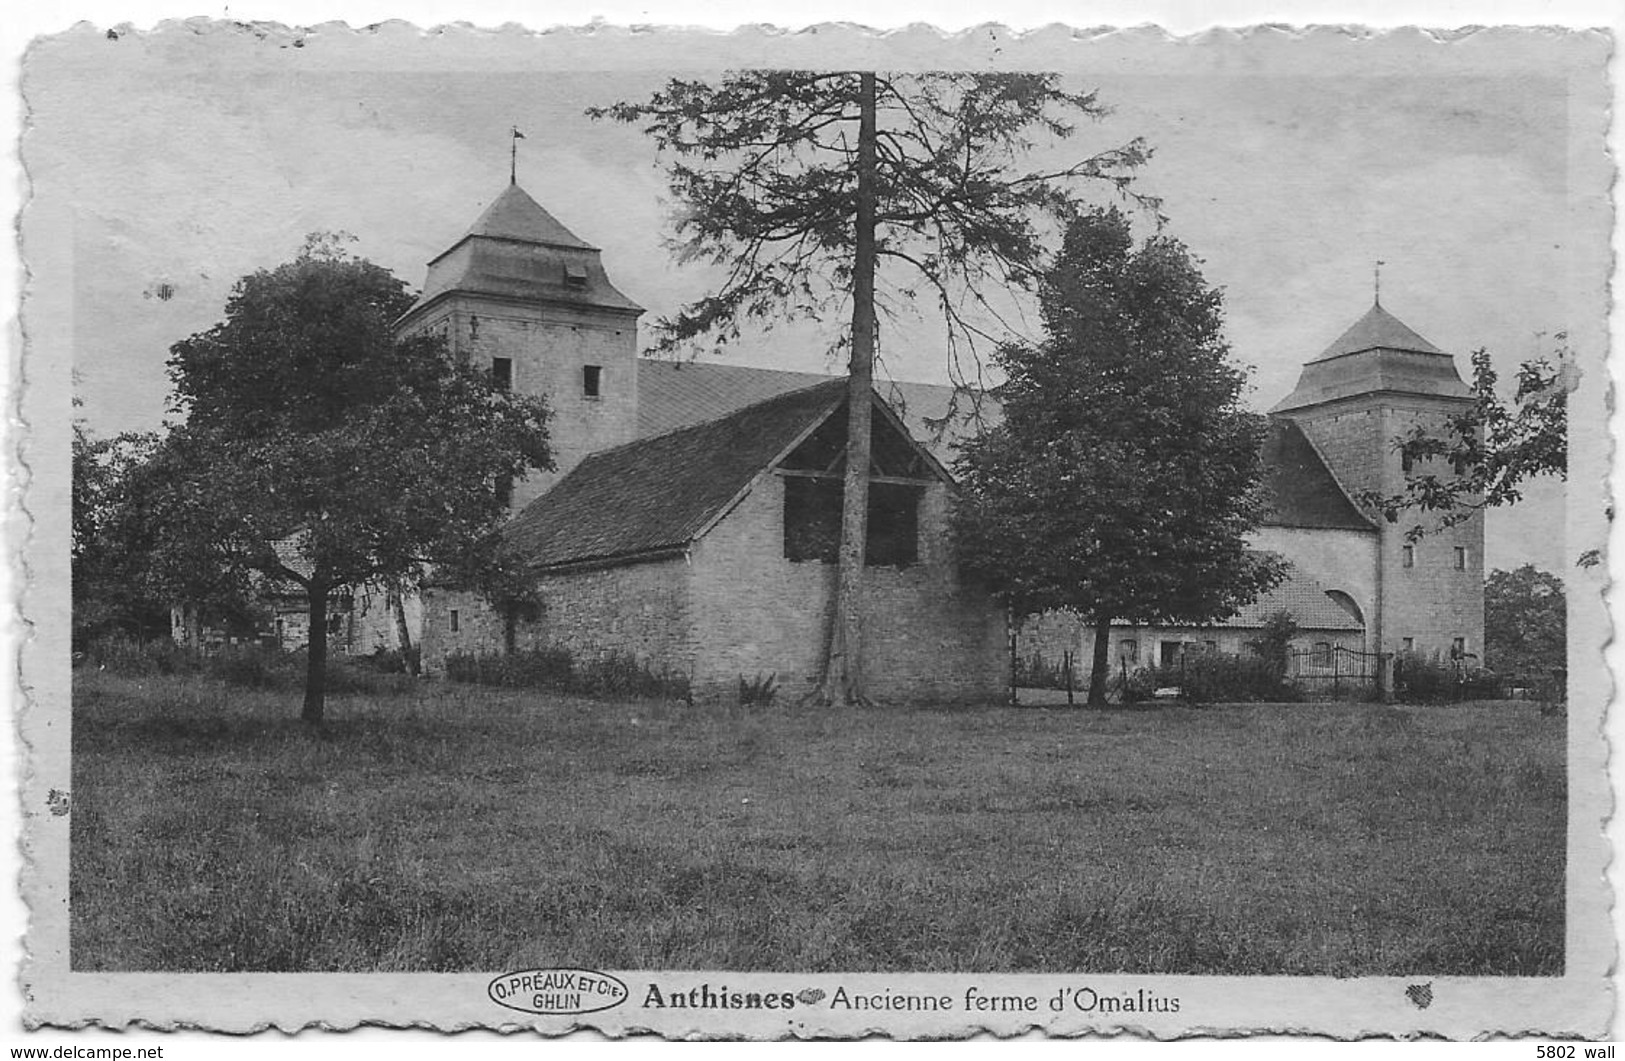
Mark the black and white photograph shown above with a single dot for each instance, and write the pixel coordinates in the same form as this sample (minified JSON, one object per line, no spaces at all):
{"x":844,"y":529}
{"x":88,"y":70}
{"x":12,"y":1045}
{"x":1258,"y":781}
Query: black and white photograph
{"x":817,"y":535}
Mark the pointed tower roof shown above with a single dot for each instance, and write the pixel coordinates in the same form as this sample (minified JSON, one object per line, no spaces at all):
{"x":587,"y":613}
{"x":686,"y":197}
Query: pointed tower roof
{"x":515,"y":215}
{"x":518,"y":252}
{"x":1378,"y":354}
{"x":1378,"y":329}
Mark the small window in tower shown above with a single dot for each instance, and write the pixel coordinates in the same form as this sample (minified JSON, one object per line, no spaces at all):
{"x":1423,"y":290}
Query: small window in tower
{"x":1461,"y":558}
{"x":502,"y":373}
{"x":1408,"y":556}
{"x":1407,"y":644}
{"x":575,"y":276}
{"x":454,"y":618}
{"x":1458,"y":647}
{"x":1406,"y":462}
{"x":592,"y":381}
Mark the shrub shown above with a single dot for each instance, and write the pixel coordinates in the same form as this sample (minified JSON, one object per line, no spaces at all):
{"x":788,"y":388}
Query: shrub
{"x":391,"y":661}
{"x":1036,"y":672}
{"x":1424,"y":681}
{"x":251,"y":667}
{"x":614,"y":675}
{"x":128,"y":657}
{"x":757,"y":692}
{"x":1134,"y":686}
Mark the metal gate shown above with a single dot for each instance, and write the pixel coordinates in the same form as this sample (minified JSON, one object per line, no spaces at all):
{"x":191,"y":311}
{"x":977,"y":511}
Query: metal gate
{"x":1332,"y":672}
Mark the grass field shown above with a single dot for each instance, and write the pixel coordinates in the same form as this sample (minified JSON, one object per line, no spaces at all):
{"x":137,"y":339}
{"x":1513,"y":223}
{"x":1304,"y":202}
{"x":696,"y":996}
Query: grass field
{"x":456,"y":828}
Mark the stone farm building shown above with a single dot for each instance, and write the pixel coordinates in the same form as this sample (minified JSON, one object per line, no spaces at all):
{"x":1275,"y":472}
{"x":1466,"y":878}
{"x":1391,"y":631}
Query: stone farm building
{"x":691,"y":517}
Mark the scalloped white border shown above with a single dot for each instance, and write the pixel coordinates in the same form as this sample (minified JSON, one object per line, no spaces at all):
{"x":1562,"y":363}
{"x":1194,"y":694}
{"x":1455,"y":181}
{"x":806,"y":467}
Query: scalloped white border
{"x":1179,"y":19}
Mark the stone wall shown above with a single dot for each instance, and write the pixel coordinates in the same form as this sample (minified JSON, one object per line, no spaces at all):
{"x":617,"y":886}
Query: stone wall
{"x":638,"y":610}
{"x":1431,"y":602}
{"x":549,"y":345}
{"x":927,"y":635}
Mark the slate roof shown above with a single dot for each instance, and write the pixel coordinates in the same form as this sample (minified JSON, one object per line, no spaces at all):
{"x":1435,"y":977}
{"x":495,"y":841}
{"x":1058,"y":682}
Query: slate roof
{"x":515,"y":215}
{"x":1377,"y":354}
{"x":674,"y":394}
{"x":659,"y":493}
{"x":1378,"y":328}
{"x":1300,"y":490}
{"x":1303,"y":597}
{"x":517,"y":250}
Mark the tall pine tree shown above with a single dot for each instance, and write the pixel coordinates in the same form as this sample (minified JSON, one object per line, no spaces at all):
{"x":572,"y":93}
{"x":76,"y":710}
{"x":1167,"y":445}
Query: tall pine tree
{"x":816,"y":191}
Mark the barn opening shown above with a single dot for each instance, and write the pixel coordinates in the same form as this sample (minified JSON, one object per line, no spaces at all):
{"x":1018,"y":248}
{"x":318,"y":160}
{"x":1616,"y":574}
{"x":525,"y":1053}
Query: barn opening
{"x":814,"y":489}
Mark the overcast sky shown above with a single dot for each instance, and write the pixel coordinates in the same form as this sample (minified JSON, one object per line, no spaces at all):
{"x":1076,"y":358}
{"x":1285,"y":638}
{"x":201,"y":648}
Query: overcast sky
{"x":187,"y":166}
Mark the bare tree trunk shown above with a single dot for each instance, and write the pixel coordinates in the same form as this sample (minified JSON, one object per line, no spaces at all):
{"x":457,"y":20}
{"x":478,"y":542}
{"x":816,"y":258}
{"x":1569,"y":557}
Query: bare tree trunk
{"x":316,"y":654}
{"x":403,"y":636}
{"x":843,"y":666}
{"x":1098,"y":669}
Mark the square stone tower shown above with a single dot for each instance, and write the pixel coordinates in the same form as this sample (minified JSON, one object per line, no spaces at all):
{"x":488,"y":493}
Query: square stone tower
{"x":1375,"y":383}
{"x":521,"y":296}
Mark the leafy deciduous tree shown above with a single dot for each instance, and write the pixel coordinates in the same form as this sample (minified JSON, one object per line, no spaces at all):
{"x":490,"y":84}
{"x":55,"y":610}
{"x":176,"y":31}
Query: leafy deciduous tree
{"x":1525,"y":621}
{"x":1122,"y":479}
{"x":107,"y":592}
{"x":812,"y":190}
{"x":317,"y":450}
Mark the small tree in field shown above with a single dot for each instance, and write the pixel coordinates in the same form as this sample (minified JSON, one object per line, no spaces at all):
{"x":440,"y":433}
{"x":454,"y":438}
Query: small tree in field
{"x":1121,"y":482}
{"x":307,"y":425}
{"x":1525,"y":621}
{"x":822,"y":191}
{"x":108,"y":596}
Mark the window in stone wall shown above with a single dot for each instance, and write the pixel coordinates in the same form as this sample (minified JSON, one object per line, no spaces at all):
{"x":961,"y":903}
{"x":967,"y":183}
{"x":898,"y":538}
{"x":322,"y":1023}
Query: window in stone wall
{"x":812,"y":521}
{"x":1407,"y":556}
{"x":1461,"y":558}
{"x":454,"y":618}
{"x":502,"y":373}
{"x":1129,"y":650}
{"x":592,"y":381}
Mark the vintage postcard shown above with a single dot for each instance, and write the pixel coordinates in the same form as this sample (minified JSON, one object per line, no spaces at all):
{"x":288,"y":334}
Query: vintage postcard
{"x":817,"y":534}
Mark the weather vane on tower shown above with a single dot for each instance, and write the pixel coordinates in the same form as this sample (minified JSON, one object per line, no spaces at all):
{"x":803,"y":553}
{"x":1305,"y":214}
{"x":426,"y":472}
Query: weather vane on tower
{"x":1376,"y":282}
{"x":513,"y":154}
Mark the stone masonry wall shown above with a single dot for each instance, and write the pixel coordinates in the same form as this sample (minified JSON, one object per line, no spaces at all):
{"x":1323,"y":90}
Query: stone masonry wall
{"x":927,"y":635}
{"x":639,"y":610}
{"x":549,"y":345}
{"x":1432,"y":601}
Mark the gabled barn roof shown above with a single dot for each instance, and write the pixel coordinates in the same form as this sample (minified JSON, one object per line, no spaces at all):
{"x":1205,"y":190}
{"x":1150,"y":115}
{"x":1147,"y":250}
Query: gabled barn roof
{"x":1300,"y":490}
{"x":657,"y":495}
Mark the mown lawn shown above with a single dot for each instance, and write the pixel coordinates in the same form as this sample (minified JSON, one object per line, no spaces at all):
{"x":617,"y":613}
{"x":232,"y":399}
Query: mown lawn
{"x":454,"y":828}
